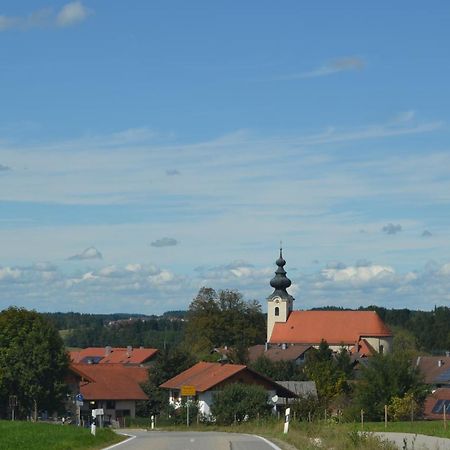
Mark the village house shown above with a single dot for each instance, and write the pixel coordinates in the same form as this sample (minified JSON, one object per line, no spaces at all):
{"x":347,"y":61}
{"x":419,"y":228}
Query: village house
{"x":436,"y":373}
{"x":208,"y":378}
{"x":113,"y":387}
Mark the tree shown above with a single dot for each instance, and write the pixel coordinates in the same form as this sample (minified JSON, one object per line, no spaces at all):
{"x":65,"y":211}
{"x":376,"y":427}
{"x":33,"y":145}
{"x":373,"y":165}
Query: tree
{"x":33,"y":362}
{"x":387,"y":377}
{"x":168,"y":364}
{"x":239,"y":402}
{"x":330,"y":374}
{"x":224,"y":318}
{"x":278,"y":370}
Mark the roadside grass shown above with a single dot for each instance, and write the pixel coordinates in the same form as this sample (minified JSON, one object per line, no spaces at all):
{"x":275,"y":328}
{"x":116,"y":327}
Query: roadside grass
{"x":20,"y":435}
{"x":302,"y":435}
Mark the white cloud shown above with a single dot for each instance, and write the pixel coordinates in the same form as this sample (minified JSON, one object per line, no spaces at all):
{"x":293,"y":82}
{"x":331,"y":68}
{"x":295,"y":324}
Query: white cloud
{"x":89,"y":253}
{"x":358,"y":274}
{"x":330,"y":68}
{"x":153,"y":290}
{"x":9,"y":273}
{"x":72,"y":13}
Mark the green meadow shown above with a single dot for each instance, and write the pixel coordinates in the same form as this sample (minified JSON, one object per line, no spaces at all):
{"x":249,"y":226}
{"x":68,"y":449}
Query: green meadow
{"x":39,"y":436}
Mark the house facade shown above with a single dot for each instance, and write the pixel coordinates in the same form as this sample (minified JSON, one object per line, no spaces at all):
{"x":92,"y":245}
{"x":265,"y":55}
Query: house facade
{"x":209,"y":378}
{"x":350,"y":329}
{"x":113,"y":387}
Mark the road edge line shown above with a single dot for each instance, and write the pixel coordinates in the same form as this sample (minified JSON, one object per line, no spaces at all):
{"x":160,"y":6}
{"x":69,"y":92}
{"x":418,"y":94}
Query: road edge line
{"x":130,"y":438}
{"x":274,"y":446}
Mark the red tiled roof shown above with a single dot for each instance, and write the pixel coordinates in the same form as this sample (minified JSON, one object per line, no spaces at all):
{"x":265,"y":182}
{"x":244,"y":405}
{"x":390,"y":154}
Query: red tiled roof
{"x":363,"y":348}
{"x":112,"y":381}
{"x":116,"y":355}
{"x":204,"y":376}
{"x":336,"y":327}
{"x":430,"y":402}
{"x":290,"y":353}
{"x":433,"y":371}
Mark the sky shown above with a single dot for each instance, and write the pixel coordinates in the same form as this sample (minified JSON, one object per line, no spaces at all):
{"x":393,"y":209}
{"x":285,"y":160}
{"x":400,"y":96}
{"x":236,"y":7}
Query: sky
{"x":148,"y":149}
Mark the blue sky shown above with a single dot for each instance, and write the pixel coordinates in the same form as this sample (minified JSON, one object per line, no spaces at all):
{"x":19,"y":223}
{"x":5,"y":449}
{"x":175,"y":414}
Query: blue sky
{"x":148,"y":149}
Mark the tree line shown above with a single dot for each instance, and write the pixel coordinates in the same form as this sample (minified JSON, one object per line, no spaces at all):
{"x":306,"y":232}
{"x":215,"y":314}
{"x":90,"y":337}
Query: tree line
{"x":426,"y":331}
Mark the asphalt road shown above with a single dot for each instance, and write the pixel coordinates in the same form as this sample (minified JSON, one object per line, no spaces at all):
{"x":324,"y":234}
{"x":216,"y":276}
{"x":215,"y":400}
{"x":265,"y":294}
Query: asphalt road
{"x":415,"y":441}
{"x":162,"y":440}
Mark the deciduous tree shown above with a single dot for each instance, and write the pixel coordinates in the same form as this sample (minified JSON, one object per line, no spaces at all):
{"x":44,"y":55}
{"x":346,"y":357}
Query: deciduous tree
{"x":33,"y":362}
{"x":224,"y":318}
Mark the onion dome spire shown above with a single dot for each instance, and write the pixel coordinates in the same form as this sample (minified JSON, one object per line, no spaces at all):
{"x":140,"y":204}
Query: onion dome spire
{"x":280,"y":282}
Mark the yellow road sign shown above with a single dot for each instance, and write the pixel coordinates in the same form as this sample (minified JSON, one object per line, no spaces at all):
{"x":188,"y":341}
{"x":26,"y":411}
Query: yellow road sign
{"x":188,"y":391}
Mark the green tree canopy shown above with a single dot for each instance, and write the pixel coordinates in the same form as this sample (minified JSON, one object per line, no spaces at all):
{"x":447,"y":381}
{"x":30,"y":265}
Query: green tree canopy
{"x":385,"y":378}
{"x":239,"y":401}
{"x":168,"y":364}
{"x":224,"y":318}
{"x":329,"y":373}
{"x":278,"y":370}
{"x":33,"y":362}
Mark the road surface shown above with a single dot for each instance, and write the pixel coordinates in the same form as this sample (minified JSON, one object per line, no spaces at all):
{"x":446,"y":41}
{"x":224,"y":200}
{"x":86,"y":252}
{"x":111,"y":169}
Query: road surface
{"x":163,"y":440}
{"x":415,"y":441}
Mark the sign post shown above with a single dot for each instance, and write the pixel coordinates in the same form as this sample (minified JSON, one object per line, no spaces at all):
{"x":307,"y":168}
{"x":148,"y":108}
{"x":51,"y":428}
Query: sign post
{"x":79,"y":403}
{"x":13,"y":403}
{"x":188,"y":391}
{"x":287,"y":417}
{"x":96,"y":412}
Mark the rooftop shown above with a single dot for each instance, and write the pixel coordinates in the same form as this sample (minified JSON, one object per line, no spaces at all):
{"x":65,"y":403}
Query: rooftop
{"x":336,"y":327}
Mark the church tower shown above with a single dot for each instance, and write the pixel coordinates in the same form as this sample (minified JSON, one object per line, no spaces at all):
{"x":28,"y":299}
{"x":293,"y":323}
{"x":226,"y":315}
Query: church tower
{"x":279,"y":304}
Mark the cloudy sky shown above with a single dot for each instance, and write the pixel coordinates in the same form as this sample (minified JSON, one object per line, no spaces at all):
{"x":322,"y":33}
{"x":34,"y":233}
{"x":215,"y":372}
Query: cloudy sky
{"x":151,"y":148}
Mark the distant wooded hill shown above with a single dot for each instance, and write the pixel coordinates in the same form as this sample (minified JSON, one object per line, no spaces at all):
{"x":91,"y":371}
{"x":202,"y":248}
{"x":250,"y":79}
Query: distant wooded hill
{"x":428,"y":331}
{"x":119,"y":330}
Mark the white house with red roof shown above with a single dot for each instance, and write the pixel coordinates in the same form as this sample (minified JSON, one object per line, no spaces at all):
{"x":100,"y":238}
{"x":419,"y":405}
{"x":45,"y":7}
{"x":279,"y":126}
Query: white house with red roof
{"x":113,"y":387}
{"x":355,"y":330}
{"x":207,"y":378}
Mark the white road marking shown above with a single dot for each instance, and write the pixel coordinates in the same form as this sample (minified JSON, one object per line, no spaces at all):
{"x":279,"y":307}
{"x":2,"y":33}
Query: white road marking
{"x":275,"y":447}
{"x":131,"y":437}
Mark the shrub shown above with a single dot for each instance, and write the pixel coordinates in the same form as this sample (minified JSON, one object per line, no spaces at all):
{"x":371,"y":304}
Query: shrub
{"x":239,"y":402}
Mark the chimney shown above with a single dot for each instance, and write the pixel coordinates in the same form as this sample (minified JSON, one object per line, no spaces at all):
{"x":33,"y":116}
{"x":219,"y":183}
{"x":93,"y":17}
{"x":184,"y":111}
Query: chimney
{"x":108,"y":350}
{"x":283,"y":346}
{"x":440,"y":363}
{"x":129,"y":350}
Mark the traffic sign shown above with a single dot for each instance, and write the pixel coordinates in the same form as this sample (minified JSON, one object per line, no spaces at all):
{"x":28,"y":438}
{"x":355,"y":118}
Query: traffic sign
{"x":188,"y":391}
{"x":79,"y":397}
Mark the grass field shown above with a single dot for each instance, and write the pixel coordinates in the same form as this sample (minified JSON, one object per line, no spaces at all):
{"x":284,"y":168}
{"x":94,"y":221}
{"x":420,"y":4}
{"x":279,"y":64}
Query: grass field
{"x":44,"y":436}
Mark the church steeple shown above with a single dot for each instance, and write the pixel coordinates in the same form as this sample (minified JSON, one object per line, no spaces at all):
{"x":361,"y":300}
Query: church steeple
{"x":280,"y":302}
{"x":280,"y":282}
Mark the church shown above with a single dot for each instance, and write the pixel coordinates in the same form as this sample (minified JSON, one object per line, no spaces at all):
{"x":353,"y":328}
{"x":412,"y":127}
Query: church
{"x":361,"y":332}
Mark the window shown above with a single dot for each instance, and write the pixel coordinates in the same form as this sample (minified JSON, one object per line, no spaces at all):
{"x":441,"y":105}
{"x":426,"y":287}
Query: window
{"x":110,"y":404}
{"x":277,"y":311}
